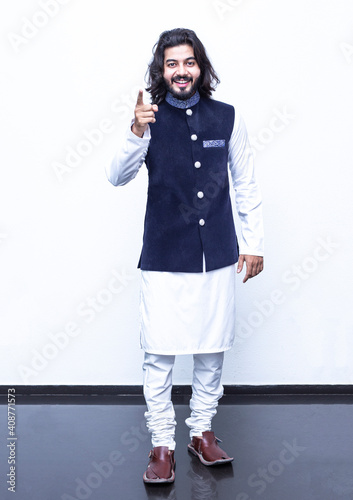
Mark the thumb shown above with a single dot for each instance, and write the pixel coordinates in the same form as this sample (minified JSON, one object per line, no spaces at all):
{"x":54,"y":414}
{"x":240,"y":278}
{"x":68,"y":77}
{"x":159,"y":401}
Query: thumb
{"x":140,"y":98}
{"x":240,"y":263}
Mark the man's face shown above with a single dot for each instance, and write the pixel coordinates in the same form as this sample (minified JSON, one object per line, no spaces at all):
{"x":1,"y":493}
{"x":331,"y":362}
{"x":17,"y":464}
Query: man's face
{"x":181,"y":71}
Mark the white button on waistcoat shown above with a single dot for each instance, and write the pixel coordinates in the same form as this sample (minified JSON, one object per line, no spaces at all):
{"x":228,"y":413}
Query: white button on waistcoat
{"x":201,"y":222}
{"x":200,"y":194}
{"x":197,"y":164}
{"x":189,"y":112}
{"x":194,"y":137}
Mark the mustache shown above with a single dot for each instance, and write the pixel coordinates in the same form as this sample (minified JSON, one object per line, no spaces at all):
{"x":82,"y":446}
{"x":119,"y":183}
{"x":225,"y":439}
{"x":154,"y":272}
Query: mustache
{"x":180,"y":77}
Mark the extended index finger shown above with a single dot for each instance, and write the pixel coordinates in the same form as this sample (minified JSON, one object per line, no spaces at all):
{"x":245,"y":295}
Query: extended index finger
{"x":140,"y":98}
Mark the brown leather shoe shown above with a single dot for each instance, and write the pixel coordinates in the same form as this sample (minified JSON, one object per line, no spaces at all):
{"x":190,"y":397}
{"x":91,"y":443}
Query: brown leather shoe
{"x":161,"y":466}
{"x":207,"y":449}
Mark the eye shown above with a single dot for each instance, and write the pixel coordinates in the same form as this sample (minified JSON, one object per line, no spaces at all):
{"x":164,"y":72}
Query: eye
{"x":191,"y":63}
{"x":171,"y":65}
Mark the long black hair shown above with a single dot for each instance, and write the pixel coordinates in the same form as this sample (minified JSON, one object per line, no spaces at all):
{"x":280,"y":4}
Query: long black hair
{"x":172,"y":38}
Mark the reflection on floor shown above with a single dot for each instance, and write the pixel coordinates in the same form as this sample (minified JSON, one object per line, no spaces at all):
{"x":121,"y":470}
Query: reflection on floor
{"x":287,"y":450}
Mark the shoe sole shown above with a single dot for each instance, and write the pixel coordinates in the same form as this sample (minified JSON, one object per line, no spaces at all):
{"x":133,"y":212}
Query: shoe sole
{"x":192,"y":450}
{"x":159,"y":480}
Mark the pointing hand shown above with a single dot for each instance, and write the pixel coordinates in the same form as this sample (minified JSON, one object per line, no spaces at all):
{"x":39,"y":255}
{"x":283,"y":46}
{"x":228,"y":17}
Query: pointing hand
{"x":144,"y":114}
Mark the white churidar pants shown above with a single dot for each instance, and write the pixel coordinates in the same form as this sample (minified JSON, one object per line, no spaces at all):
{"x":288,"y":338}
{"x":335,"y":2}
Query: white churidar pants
{"x":157,"y":386}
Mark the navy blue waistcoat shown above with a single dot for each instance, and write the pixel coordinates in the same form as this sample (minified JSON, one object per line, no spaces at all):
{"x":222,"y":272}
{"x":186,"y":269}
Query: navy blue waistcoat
{"x":188,"y":204}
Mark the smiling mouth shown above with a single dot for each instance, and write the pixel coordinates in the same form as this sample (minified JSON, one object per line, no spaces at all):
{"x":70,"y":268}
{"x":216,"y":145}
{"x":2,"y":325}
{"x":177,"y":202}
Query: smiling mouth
{"x":182,"y":82}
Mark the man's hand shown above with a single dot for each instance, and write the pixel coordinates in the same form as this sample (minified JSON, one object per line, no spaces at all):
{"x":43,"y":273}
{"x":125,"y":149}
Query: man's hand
{"x":254,"y":265}
{"x":144,"y":114}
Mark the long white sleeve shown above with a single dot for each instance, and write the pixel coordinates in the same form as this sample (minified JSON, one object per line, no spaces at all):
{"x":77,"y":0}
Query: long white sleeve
{"x":129,"y":158}
{"x":247,"y":192}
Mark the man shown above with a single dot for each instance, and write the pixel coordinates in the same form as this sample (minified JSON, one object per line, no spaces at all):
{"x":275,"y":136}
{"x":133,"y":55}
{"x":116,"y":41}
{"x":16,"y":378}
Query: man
{"x":190,"y":249}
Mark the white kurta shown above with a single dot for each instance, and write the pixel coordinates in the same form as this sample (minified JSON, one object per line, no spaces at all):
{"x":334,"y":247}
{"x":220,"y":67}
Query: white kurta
{"x":187,"y":313}
{"x":190,"y":313}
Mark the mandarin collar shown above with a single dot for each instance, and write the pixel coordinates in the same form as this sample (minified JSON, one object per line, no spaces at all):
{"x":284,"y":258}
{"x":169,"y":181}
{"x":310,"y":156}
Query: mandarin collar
{"x":180,"y":103}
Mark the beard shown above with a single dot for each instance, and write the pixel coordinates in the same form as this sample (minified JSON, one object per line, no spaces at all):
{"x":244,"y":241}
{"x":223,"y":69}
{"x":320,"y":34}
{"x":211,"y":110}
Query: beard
{"x":183,"y":94}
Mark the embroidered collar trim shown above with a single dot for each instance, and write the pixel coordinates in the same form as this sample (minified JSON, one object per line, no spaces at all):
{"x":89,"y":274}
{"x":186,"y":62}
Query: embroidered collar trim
{"x":179,"y":103}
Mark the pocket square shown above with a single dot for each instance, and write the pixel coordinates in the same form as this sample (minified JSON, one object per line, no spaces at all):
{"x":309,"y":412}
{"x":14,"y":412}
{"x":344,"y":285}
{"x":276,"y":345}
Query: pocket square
{"x":217,"y":143}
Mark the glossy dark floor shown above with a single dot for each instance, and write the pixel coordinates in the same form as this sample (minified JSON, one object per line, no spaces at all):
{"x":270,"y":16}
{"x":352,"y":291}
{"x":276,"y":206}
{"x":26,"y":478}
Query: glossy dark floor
{"x":284,"y":450}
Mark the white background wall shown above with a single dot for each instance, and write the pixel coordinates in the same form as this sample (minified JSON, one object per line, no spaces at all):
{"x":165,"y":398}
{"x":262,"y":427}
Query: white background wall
{"x":70,"y":241}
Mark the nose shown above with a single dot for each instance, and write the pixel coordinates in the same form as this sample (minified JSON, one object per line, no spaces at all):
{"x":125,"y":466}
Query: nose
{"x":181,"y":69}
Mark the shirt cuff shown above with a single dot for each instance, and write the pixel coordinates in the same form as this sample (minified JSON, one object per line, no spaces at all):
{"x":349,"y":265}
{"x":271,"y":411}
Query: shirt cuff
{"x":139,"y":140}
